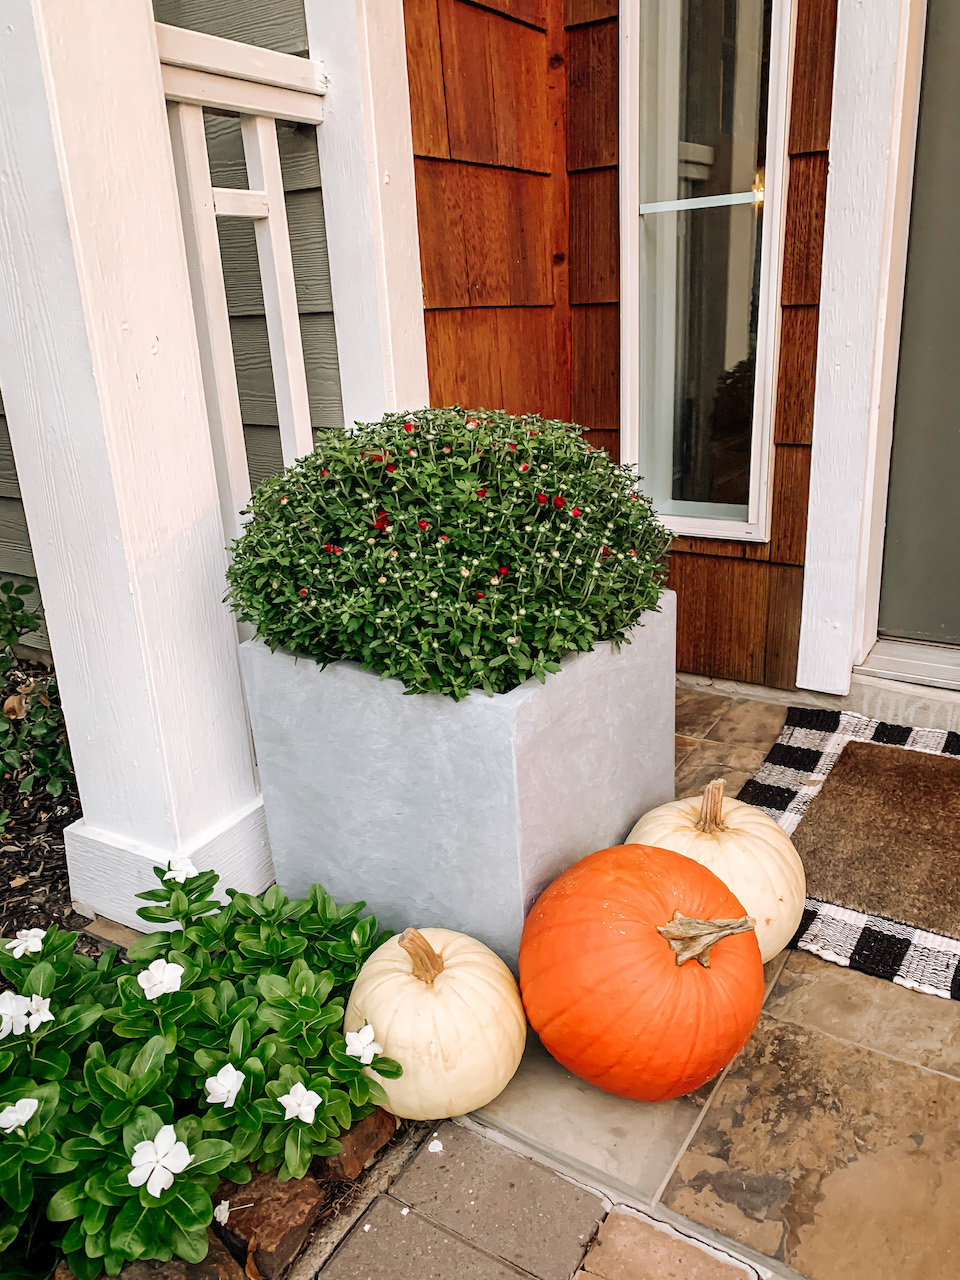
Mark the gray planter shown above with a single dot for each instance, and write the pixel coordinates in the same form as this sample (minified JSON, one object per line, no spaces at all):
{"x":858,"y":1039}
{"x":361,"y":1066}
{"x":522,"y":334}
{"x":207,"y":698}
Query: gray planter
{"x":459,"y":814}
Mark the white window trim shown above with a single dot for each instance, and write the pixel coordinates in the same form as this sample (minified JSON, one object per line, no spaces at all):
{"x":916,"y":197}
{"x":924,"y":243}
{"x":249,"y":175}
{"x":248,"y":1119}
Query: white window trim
{"x":634,"y":449}
{"x":876,"y":98}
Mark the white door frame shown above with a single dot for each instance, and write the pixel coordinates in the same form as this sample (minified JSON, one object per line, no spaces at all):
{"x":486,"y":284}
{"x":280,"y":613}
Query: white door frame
{"x":876,"y":98}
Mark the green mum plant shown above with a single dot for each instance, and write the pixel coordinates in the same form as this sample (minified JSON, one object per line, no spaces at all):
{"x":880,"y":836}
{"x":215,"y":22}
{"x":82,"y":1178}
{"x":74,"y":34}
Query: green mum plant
{"x":453,"y":549}
{"x":128,"y":1090}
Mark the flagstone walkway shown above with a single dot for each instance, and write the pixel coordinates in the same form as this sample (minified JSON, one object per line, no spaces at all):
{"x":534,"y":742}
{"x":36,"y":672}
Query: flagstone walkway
{"x":829,"y":1149}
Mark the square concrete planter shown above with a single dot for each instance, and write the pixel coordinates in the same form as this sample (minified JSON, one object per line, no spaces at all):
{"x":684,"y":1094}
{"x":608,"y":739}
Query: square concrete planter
{"x":459,"y":813}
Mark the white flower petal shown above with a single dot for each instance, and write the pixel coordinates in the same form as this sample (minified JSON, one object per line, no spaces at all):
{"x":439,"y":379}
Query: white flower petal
{"x":366,"y":1034}
{"x":138,"y":1176}
{"x":159,"y":1181}
{"x":143,"y":1153}
{"x":177,"y":1159}
{"x":222,"y":1212}
{"x":165,"y":1140}
{"x":291,"y":1105}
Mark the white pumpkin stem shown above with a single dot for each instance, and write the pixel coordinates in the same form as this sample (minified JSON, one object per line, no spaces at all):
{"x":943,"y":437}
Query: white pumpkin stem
{"x":711,"y":808}
{"x":692,"y":939}
{"x":427,"y":964}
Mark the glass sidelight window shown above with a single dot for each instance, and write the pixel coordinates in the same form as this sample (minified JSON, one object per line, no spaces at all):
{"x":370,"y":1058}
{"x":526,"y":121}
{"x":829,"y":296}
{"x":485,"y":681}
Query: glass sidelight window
{"x":703,"y":237}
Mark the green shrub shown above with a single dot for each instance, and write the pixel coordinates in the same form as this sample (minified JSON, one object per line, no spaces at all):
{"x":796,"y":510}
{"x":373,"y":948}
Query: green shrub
{"x":115,"y":1056}
{"x":33,"y":737}
{"x":453,"y":549}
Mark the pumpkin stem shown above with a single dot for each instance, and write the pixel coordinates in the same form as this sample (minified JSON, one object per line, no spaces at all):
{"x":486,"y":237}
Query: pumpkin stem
{"x":711,"y":808}
{"x":427,"y":964}
{"x":692,"y":939}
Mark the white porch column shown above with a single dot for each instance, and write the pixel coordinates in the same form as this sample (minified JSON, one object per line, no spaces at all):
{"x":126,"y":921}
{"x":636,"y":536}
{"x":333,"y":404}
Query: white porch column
{"x":101,"y":383}
{"x":876,"y":96}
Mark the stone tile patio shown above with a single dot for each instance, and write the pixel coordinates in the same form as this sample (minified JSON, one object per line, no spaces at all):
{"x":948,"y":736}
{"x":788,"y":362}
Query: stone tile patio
{"x":828,"y":1150}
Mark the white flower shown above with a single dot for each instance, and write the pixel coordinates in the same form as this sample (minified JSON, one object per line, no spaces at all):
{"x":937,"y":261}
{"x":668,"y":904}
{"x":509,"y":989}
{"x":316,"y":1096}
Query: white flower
{"x":37,"y":1011}
{"x":16,"y":1116}
{"x":156,"y":1162}
{"x":180,"y":869}
{"x":27,"y":940}
{"x":160,"y":978}
{"x":222,"y":1212}
{"x":361,"y":1044}
{"x":225,"y":1085}
{"x":300,"y":1103}
{"x":13,"y":1014}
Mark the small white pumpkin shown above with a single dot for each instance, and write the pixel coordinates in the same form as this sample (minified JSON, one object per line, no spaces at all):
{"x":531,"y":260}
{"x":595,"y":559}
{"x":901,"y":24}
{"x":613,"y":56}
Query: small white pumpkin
{"x":751,"y":854}
{"x":449,"y":1011}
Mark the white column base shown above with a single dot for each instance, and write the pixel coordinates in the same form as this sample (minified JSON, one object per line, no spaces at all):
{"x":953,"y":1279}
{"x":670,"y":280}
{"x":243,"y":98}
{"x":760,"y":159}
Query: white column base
{"x":107,"y":871}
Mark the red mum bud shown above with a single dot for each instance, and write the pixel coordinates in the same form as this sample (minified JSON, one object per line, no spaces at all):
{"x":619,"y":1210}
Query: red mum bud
{"x":524,"y":466}
{"x":444,"y":538}
{"x":481,"y":594}
{"x":604,"y":552}
{"x":409,"y":426}
{"x":391,"y":467}
{"x":470,"y":422}
{"x":576,"y":511}
{"x":376,"y":457}
{"x":559,"y":501}
{"x":324,"y":473}
{"x":328,"y":546}
{"x":481,"y":493}
{"x":282,"y":501}
{"x":303,"y":591}
{"x":541,"y":498}
{"x":511,"y":445}
{"x":337,"y":550}
{"x":423,"y":524}
{"x":504,"y":571}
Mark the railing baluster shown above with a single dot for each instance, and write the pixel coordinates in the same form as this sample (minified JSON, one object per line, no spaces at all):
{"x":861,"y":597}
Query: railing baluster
{"x":210,"y":307}
{"x":262,"y":154}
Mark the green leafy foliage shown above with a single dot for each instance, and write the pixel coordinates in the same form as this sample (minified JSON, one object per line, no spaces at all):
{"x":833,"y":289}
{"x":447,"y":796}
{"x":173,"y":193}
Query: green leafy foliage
{"x":16,"y":620}
{"x":33,"y":737}
{"x":257,"y":986}
{"x":453,"y":549}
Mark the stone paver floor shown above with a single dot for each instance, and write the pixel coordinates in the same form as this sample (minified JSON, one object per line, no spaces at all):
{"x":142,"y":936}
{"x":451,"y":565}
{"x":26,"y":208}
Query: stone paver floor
{"x":829,"y":1149}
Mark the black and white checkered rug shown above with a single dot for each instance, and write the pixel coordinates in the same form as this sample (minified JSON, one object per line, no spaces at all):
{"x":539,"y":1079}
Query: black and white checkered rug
{"x":786,"y":782}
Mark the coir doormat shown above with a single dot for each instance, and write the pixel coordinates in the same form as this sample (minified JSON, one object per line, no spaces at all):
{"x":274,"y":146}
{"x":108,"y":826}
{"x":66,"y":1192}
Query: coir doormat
{"x":874,"y":810}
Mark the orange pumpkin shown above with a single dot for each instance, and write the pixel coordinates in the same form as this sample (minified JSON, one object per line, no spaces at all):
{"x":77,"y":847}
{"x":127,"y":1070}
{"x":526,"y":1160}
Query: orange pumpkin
{"x":641,"y":972}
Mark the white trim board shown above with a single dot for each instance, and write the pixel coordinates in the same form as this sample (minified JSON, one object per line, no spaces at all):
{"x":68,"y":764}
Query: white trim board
{"x":370,"y":205}
{"x":876,"y":95}
{"x":931,"y":664}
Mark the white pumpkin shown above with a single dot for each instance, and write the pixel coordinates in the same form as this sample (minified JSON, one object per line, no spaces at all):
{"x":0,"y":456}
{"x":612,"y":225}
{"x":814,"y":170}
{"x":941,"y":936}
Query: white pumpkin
{"x":449,"y":1011}
{"x":751,"y":854}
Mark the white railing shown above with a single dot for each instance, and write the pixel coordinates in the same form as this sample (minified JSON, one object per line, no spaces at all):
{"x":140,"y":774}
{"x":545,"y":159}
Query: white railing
{"x":201,"y":71}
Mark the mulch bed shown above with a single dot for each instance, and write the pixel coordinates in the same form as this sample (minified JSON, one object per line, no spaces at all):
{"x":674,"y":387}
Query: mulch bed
{"x":34,"y":890}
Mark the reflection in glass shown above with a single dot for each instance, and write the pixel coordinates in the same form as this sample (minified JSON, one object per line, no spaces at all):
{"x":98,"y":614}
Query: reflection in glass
{"x":704,"y":137}
{"x":718,"y":285}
